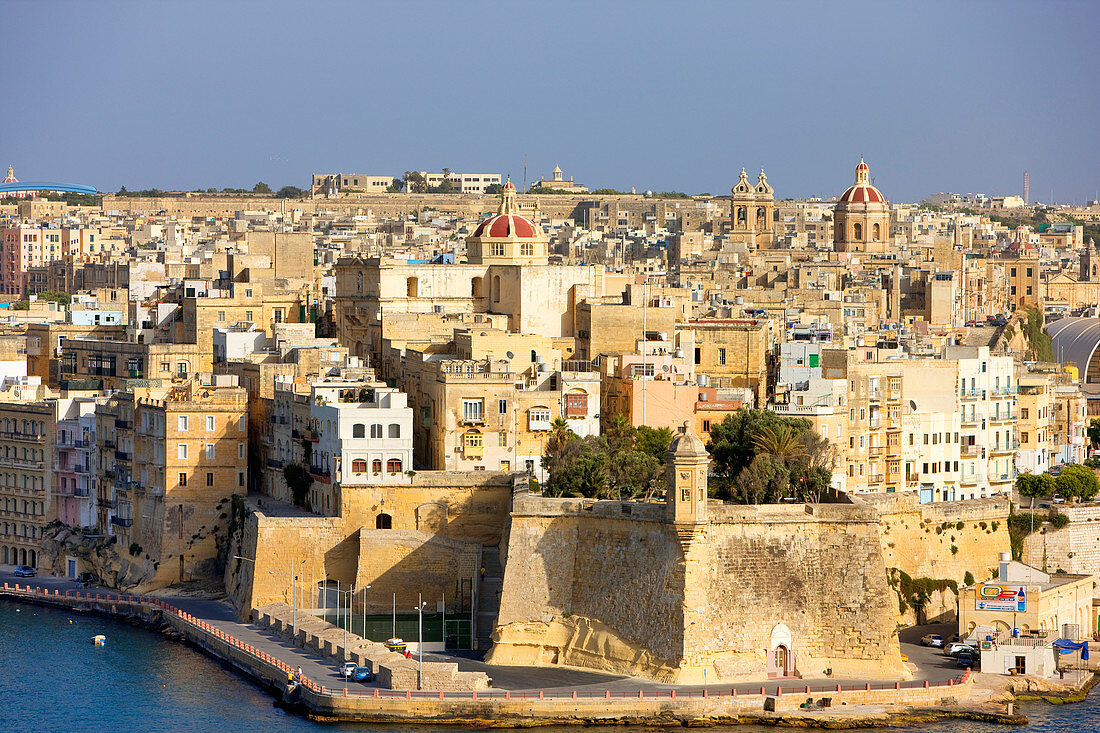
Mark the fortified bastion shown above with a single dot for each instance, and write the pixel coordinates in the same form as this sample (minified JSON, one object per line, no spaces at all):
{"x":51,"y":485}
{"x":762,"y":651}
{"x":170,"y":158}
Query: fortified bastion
{"x":690,"y":590}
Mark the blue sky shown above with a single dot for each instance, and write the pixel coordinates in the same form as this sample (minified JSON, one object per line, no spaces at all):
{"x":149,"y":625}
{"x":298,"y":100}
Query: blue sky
{"x":665,"y":96}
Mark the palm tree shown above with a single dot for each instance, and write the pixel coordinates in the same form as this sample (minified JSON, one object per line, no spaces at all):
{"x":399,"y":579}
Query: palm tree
{"x":780,"y":441}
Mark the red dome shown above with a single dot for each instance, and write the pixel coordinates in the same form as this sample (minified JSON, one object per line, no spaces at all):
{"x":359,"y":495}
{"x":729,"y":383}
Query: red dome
{"x":506,"y":225}
{"x":862,"y":166}
{"x":862,"y":193}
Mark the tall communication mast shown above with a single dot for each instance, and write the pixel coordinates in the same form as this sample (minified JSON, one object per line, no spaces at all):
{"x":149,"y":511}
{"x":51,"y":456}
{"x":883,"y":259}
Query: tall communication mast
{"x":1027,"y":188}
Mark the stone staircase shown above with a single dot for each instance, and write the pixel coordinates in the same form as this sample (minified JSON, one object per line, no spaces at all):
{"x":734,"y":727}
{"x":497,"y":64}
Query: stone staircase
{"x":488,"y":597}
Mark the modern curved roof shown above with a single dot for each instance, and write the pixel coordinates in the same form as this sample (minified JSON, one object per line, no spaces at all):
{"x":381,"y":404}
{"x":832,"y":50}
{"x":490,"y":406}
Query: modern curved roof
{"x":1075,"y":341}
{"x":46,"y":186}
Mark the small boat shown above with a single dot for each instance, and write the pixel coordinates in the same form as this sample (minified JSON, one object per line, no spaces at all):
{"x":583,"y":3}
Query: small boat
{"x":99,"y":640}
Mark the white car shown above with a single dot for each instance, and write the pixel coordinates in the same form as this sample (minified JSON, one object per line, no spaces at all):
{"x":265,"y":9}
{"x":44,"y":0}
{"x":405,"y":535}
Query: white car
{"x":960,"y":647}
{"x":348,"y":669}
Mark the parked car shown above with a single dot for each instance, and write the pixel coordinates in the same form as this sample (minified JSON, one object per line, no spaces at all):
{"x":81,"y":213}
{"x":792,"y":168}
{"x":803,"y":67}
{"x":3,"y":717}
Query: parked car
{"x":348,"y":669}
{"x":85,"y":579}
{"x":362,"y":674}
{"x":396,"y":645}
{"x":1058,"y":498}
{"x":958,"y":648}
{"x":931,"y":640}
{"x":25,"y":571}
{"x":967,"y":661}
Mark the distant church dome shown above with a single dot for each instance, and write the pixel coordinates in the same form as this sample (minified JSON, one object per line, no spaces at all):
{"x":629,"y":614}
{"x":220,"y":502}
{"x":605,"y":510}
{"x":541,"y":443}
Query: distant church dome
{"x":862,"y":192}
{"x":507,"y":223}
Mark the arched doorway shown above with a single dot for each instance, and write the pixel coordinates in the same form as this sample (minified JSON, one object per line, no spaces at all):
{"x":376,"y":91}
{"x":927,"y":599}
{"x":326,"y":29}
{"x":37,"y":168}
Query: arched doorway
{"x":383,"y":521}
{"x":780,"y":653}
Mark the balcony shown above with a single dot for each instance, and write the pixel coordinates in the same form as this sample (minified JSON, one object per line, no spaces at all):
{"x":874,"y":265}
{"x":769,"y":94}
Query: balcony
{"x":23,"y":437}
{"x":893,"y":395}
{"x":972,"y":394}
{"x":122,"y":521}
{"x":121,"y":424}
{"x":1004,"y":391}
{"x":275,"y":463}
{"x":310,"y":435}
{"x":874,"y":479}
{"x":320,"y":475}
{"x":875,"y":451}
{"x":121,"y":455}
{"x":1003,"y":418}
{"x":971,"y":451}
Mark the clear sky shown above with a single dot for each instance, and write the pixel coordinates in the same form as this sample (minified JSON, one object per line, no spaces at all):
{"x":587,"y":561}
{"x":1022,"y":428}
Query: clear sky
{"x":666,"y":96}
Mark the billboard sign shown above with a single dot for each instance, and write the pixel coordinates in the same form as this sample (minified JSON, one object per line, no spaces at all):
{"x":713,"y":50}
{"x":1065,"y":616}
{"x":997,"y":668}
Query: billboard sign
{"x":996,"y":597}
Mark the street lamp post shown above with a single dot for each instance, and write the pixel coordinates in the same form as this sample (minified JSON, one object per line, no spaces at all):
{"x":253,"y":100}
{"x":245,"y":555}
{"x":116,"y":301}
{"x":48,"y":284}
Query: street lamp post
{"x":365,"y":589}
{"x":420,"y":641}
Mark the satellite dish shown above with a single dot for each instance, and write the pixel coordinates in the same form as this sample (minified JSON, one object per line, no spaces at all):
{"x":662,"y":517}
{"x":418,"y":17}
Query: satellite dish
{"x":912,"y":405}
{"x":509,"y":354}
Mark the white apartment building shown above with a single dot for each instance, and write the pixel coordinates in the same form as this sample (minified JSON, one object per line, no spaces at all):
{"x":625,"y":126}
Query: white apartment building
{"x":75,"y":461}
{"x":987,"y":405}
{"x":364,"y":432}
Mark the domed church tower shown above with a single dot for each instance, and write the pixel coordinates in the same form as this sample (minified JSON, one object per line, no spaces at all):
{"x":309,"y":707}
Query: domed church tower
{"x":507,"y":238}
{"x":861,"y":218}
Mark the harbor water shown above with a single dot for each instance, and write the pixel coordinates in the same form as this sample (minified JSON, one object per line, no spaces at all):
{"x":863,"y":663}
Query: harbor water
{"x":52,"y":678}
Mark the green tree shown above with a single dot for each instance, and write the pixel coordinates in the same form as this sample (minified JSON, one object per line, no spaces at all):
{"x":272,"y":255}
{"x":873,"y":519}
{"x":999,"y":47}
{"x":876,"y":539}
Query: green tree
{"x":654,"y":441}
{"x":290,"y":192}
{"x":580,"y":470}
{"x":415,"y":182}
{"x":1032,"y":485}
{"x":298,"y":481}
{"x":123,"y":192}
{"x":261,"y":187}
{"x":779,"y":441}
{"x":494,"y":189}
{"x":1077,"y":481}
{"x":1094,"y":432}
{"x":766,"y":480}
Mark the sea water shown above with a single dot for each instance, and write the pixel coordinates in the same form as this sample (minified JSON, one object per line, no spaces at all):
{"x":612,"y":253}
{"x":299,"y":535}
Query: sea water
{"x":53,"y":679}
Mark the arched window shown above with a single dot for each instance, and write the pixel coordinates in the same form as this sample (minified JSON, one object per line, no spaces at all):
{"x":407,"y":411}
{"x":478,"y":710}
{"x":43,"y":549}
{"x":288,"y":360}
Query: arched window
{"x":742,"y":216}
{"x":496,"y":288}
{"x":393,"y":466}
{"x":359,"y":282}
{"x":383,"y":521}
{"x":412,"y":287}
{"x":376,"y":466}
{"x":476,"y":287}
{"x":876,"y":232}
{"x":761,"y":219}
{"x":394,"y":430}
{"x":857,"y":231}
{"x":358,"y":430}
{"x":359,"y":466}
{"x":376,"y":430}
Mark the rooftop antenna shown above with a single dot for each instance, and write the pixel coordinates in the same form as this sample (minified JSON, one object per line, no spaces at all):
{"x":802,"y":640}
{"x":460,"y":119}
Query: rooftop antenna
{"x":525,"y":171}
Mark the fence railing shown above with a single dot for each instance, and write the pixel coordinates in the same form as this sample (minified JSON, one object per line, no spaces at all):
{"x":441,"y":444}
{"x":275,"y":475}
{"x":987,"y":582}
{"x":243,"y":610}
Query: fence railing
{"x":776,"y":689}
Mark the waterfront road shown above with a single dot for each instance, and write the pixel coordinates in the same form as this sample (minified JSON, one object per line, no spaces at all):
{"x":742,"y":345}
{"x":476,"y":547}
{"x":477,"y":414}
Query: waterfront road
{"x":929,"y":663}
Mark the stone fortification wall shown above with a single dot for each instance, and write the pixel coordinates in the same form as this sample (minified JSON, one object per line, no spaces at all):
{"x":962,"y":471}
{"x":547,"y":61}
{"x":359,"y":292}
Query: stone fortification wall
{"x":612,"y":585}
{"x":556,"y":206}
{"x":587,"y":586}
{"x":815,"y":571}
{"x":1074,"y":548}
{"x":917,"y":538}
{"x":294,"y":555}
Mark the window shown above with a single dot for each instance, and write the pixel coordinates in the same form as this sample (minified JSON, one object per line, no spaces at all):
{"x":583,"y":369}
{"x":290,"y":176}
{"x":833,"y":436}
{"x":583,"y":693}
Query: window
{"x":394,"y":430}
{"x":721,"y":356}
{"x":472,"y":444}
{"x":182,"y":479}
{"x":383,"y":521}
{"x":240,"y":450}
{"x":240,"y":478}
{"x":502,"y":407}
{"x":393,"y":466}
{"x":473,"y":410}
{"x":248,"y":315}
{"x":538,"y":418}
{"x":376,"y":466}
{"x":209,"y":479}
{"x":183,"y":423}
{"x":376,"y":430}
{"x":242,"y":423}
{"x":209,"y":451}
{"x":181,"y":451}
{"x":358,"y":430}
{"x":209,"y":423}
{"x":359,"y":466}
{"x":182,"y":368}
{"x":496,"y":249}
{"x":527,"y":249}
{"x":221,"y":316}
{"x":576,"y":404}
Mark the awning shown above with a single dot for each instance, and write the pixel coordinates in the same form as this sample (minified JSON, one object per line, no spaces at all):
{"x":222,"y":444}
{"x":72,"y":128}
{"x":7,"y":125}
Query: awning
{"x":1065,"y":646}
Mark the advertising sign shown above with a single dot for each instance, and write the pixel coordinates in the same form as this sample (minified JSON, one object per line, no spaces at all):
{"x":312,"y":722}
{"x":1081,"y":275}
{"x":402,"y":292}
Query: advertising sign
{"x":993,"y":597}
